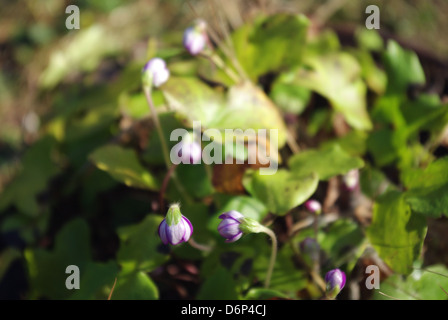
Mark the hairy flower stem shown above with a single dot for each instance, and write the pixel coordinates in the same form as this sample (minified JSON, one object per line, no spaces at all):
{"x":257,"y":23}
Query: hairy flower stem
{"x":165,"y":185}
{"x":220,"y":64}
{"x":271,"y":234}
{"x":316,"y":263}
{"x":155,"y":118}
{"x":201,"y":247}
{"x":165,"y":152}
{"x":315,"y":276}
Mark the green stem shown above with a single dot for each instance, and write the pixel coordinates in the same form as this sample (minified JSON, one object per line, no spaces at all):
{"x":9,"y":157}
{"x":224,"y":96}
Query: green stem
{"x":220,"y":64}
{"x":271,"y":234}
{"x":314,"y":275}
{"x":155,"y":118}
{"x":316,"y":262}
{"x":166,"y":155}
{"x":201,"y":247}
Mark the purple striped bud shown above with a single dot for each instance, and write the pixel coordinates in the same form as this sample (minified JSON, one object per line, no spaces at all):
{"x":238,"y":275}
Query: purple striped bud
{"x":335,"y":280}
{"x":175,"y":228}
{"x":229,"y":227}
{"x":195,"y":38}
{"x":313,"y":206}
{"x":155,"y":72}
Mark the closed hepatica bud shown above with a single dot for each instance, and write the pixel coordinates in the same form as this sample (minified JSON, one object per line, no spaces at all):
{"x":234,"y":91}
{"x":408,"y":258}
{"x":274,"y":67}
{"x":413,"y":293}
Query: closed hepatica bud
{"x":155,"y":72}
{"x":195,"y":38}
{"x":229,"y":227}
{"x":335,"y":281}
{"x":175,"y":228}
{"x":313,"y":206}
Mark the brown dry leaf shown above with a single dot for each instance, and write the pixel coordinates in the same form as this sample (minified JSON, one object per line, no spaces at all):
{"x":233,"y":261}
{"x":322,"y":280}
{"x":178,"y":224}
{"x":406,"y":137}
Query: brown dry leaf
{"x":227,"y":178}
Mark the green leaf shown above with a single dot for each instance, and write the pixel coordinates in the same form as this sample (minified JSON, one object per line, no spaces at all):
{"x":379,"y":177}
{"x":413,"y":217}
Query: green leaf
{"x":83,"y":52}
{"x":374,"y":182}
{"x":374,"y":76}
{"x":38,"y":168}
{"x":369,"y":39}
{"x":264,"y":294}
{"x":428,"y":188}
{"x":341,"y":241}
{"x":396,"y":232}
{"x":72,"y":247}
{"x":123,"y":165}
{"x":7,"y":257}
{"x":139,"y":246}
{"x":281,"y":191}
{"x":135,"y":286}
{"x":286,"y":277}
{"x":219,"y":286}
{"x":245,"y":107}
{"x":354,"y":143}
{"x":94,"y":276}
{"x":325,"y":162}
{"x":402,"y":67}
{"x":422,"y":284}
{"x":289,"y":96}
{"x":270,"y":43}
{"x":337,"y":77}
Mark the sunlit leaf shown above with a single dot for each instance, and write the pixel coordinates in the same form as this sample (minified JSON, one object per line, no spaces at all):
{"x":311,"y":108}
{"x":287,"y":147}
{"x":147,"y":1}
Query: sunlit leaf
{"x":140,"y":246}
{"x":325,"y":162}
{"x":123,"y":165}
{"x":396,"y":232}
{"x":337,"y":76}
{"x":281,"y":191}
{"x":430,"y":283}
{"x":428,"y":188}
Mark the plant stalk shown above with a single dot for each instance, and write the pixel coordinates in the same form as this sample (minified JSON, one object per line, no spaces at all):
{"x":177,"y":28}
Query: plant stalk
{"x":271,"y":234}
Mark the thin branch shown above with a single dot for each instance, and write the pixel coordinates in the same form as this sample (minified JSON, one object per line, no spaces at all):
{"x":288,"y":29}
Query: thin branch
{"x":386,"y":295}
{"x":112,"y":290}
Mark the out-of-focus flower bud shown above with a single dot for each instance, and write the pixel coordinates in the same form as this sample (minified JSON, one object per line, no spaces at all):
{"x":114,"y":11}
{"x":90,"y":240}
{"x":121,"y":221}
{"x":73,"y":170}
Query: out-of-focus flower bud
{"x":195,"y":38}
{"x":335,"y":281}
{"x":313,"y":206}
{"x":155,"y":73}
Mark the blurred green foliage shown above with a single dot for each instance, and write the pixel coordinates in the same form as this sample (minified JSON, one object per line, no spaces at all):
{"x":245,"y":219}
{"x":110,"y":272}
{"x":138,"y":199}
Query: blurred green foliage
{"x":81,"y":185}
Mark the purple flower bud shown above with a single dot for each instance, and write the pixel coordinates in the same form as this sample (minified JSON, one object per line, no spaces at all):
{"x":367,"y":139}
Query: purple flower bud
{"x":229,"y":227}
{"x":313,"y":206}
{"x":195,"y":38}
{"x":335,"y":280}
{"x":351,"y":179}
{"x":155,"y":72}
{"x":175,"y":228}
{"x":310,"y":248}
